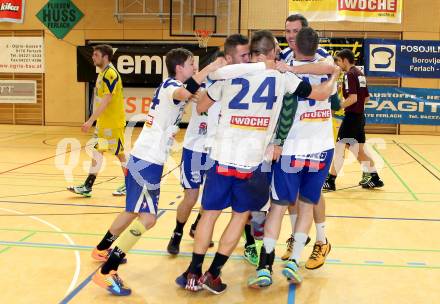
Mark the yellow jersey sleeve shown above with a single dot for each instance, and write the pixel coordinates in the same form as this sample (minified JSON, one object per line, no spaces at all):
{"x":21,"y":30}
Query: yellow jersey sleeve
{"x":110,"y":80}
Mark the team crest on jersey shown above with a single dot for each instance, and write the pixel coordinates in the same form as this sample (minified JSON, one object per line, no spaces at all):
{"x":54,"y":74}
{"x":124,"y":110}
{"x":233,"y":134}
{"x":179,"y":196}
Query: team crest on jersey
{"x":319,"y":115}
{"x":203,"y":128}
{"x":250,"y":122}
{"x":149,"y":121}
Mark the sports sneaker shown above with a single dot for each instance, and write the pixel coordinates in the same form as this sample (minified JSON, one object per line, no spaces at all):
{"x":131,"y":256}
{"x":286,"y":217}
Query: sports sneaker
{"x":213,"y":285}
{"x":289,"y":248}
{"x":103,"y":255}
{"x":318,"y":256}
{"x":182,"y":281}
{"x":329,"y":184}
{"x":111,"y":282}
{"x":372,"y":181}
{"x":364,"y":179}
{"x":121,"y":191}
{"x":192,"y":282}
{"x":174,"y":243}
{"x":81,"y":190}
{"x":291,"y":272}
{"x":192,"y":232}
{"x":250,"y":254}
{"x":263,"y":279}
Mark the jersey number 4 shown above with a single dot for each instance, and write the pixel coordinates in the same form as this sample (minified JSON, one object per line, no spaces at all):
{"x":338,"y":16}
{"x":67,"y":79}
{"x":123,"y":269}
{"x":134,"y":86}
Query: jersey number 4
{"x":239,"y":102}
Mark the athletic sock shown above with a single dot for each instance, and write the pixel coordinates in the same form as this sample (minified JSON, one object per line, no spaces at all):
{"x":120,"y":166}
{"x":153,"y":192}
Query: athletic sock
{"x":107,"y":241}
{"x":332,"y":177}
{"x":113,"y":261}
{"x":320,"y":232}
{"x":269,"y":244}
{"x":293,"y":218}
{"x":249,"y":237}
{"x":90,"y":180}
{"x":217,"y":264}
{"x":196,"y":263}
{"x":179,"y":227}
{"x":298,"y":246}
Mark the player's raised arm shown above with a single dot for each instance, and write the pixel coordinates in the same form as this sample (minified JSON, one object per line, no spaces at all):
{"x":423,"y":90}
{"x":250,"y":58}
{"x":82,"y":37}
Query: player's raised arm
{"x":193,"y":83}
{"x":237,"y":70}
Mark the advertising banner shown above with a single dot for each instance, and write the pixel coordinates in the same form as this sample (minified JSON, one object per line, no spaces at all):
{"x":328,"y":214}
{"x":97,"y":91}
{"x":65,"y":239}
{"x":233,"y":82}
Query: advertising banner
{"x":18,"y":91}
{"x":402,"y":58}
{"x":21,"y":55}
{"x":12,"y":11}
{"x":391,"y":105}
{"x":384,"y":11}
{"x":139,"y":63}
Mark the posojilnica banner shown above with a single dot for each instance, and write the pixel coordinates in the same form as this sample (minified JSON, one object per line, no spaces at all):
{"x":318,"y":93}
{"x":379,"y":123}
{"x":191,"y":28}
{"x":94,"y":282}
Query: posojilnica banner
{"x":389,"y":11}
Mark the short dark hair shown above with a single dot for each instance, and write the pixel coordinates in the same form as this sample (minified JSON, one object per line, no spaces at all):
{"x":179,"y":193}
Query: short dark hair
{"x":298,"y":17}
{"x":105,"y":50}
{"x":307,"y":41}
{"x":262,"y":42}
{"x":232,"y":41}
{"x":220,"y":54}
{"x":346,"y":54}
{"x":176,"y":57}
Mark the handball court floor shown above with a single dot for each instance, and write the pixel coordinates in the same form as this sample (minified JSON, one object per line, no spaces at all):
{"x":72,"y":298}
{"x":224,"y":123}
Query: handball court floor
{"x":386,"y":244}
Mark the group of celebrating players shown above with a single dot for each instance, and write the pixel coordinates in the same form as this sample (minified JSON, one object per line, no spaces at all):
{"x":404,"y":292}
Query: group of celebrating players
{"x":261,"y":141}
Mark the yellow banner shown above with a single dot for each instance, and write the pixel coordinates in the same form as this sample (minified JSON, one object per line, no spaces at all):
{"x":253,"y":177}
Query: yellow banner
{"x":389,"y":11}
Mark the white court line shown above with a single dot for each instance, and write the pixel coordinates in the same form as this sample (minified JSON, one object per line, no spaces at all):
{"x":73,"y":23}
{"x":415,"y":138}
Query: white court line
{"x":69,"y":240}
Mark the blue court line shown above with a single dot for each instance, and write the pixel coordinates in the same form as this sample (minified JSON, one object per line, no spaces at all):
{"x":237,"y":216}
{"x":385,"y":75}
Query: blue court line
{"x":416,"y":263}
{"x":74,"y":292}
{"x":291,"y":294}
{"x":374,"y":262}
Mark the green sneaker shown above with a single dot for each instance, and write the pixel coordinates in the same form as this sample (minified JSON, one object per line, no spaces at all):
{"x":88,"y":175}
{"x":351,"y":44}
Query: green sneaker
{"x":81,"y":190}
{"x":251,"y":255}
{"x":366,"y":177}
{"x":291,"y":272}
{"x":121,"y":191}
{"x":263,"y":279}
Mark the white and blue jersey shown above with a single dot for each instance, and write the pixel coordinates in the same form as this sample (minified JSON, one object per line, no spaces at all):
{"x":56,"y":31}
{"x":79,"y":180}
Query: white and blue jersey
{"x":308,"y":149}
{"x":287,"y":55}
{"x":194,"y":156}
{"x":151,"y":149}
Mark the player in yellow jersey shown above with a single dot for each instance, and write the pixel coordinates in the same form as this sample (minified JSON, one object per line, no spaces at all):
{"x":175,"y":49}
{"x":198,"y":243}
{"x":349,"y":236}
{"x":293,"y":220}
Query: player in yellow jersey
{"x":109,"y":114}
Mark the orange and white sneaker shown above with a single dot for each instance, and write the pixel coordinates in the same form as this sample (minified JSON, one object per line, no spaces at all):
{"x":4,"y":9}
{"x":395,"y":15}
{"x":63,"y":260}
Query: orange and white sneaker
{"x":111,"y":282}
{"x":103,"y":255}
{"x":319,"y":255}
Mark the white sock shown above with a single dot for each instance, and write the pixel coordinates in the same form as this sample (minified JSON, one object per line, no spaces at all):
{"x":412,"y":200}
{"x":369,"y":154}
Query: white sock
{"x":269,"y":244}
{"x":298,"y":246}
{"x":320,"y":232}
{"x":293,"y":218}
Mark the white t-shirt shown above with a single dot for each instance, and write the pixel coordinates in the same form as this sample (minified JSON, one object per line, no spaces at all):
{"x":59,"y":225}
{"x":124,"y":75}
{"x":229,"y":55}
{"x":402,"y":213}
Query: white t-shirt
{"x":312,"y":129}
{"x":250,"y":107}
{"x":157,"y":135}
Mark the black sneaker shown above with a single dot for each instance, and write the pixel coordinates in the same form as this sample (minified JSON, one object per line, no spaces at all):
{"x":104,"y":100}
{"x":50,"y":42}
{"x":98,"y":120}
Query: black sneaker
{"x":372,"y":181}
{"x":329,"y":184}
{"x":174,"y":244}
{"x":213,"y":285}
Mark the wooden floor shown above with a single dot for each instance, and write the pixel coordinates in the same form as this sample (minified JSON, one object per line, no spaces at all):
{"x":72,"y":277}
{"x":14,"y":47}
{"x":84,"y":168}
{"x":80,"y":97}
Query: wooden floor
{"x":385,"y":242}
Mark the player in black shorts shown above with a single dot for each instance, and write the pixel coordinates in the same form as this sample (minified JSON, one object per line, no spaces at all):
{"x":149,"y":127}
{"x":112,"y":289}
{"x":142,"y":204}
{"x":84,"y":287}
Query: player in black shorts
{"x":352,"y":132}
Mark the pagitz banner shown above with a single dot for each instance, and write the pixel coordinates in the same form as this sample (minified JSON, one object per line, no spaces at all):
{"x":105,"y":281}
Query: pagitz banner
{"x":409,"y":106}
{"x":139,"y":63}
{"x":387,"y":11}
{"x":402,"y":58}
{"x":12,"y":11}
